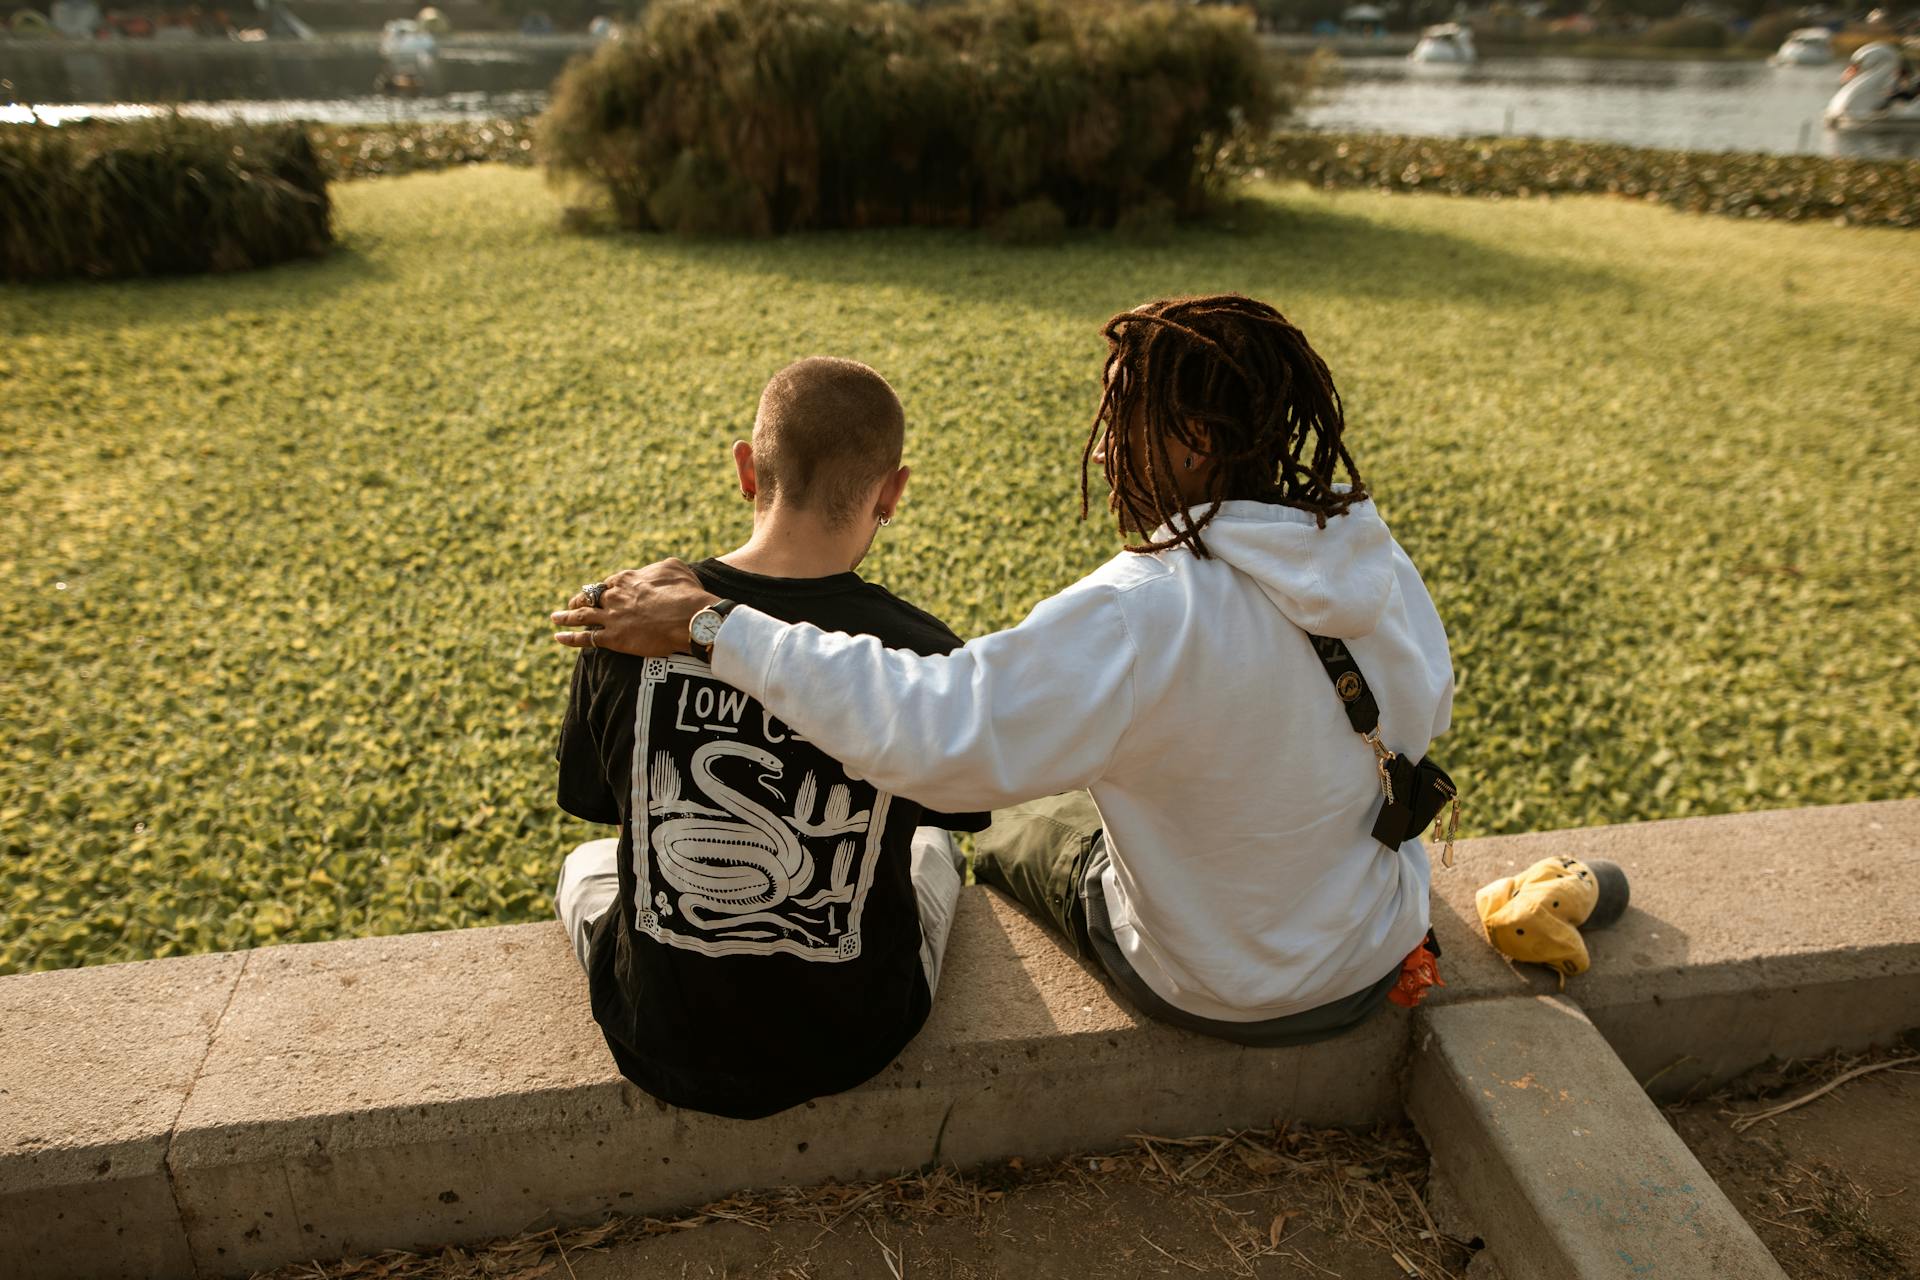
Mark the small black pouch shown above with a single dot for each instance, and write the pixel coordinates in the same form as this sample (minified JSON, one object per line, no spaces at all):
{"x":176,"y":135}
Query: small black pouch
{"x":1416,"y":791}
{"x":1420,"y":792}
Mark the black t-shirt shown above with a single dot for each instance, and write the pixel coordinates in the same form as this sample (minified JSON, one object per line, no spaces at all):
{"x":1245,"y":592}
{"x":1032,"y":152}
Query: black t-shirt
{"x":764,"y":948}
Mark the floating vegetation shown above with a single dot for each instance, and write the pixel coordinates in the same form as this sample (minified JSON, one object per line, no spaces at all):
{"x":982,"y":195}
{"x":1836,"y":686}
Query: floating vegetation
{"x":388,"y":150}
{"x":1794,"y":188}
{"x":1745,"y":185}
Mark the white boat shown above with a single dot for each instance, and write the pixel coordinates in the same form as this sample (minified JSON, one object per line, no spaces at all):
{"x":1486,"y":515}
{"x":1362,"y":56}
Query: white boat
{"x":1448,"y":42}
{"x":407,"y":46}
{"x":1807,"y":47}
{"x":1877,"y":93}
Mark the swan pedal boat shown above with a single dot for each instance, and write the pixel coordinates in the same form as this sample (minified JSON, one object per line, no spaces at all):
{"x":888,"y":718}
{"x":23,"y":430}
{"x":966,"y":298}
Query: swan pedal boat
{"x":1448,"y":42}
{"x":406,"y":45}
{"x":1865,"y":102}
{"x":1807,"y":47}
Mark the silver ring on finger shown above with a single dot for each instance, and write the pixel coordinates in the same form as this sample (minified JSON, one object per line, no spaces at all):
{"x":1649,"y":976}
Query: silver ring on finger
{"x":592,"y":640}
{"x":594,"y":591}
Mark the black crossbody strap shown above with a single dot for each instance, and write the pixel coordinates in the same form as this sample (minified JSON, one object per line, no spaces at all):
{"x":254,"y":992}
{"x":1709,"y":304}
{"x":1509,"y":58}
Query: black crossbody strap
{"x":1356,"y":698}
{"x":1415,"y":791}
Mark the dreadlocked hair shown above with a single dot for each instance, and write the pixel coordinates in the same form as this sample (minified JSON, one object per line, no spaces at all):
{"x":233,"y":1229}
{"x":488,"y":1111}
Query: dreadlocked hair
{"x":1241,"y":372}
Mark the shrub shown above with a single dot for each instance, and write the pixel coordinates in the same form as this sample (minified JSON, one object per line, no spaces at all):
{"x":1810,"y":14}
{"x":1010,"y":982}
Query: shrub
{"x":160,"y":197}
{"x":759,"y":116}
{"x":1767,"y":33}
{"x":1687,"y":33}
{"x":1035,"y":222}
{"x":1149,"y":222}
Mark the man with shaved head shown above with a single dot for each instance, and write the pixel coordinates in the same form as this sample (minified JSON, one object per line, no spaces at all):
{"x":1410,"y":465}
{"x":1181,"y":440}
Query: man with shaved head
{"x":764,"y":929}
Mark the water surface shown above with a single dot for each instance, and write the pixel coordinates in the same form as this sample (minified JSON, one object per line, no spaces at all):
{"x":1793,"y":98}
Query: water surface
{"x":1691,"y":105}
{"x":1686,"y":105}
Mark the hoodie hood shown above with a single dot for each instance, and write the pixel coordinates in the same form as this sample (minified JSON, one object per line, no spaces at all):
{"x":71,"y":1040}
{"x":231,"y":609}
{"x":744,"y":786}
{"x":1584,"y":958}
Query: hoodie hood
{"x":1335,"y":581}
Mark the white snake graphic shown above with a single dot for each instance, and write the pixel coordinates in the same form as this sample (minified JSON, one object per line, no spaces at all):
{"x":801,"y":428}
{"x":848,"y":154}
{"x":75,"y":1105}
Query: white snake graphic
{"x":736,"y":869}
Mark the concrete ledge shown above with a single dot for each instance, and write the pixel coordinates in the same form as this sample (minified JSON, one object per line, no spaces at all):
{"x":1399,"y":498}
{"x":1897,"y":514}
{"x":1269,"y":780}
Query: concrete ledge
{"x":1782,"y":934}
{"x":312,"y":1101}
{"x":442,"y":1087}
{"x":1542,"y":1135}
{"x":95,"y":1065}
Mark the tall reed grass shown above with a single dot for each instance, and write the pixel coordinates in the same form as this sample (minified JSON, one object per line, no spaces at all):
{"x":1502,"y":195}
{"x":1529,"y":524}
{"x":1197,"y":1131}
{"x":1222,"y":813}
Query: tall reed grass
{"x":160,"y":197}
{"x":762,"y":116}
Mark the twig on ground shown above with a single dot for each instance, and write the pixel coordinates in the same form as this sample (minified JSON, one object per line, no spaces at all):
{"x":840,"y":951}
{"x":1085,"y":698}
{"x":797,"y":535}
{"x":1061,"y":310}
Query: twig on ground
{"x":887,"y":1255}
{"x":1747,"y":1120}
{"x":1316,"y":1266}
{"x":563,"y":1253}
{"x":844,"y":1213}
{"x":1169,"y":1257}
{"x":1682,"y":1059}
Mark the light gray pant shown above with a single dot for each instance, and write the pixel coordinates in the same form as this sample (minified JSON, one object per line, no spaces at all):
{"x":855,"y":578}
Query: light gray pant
{"x":590,"y":881}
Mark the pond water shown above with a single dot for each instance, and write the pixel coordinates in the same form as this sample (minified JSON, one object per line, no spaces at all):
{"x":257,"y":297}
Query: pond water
{"x":331,"y":79}
{"x":1696,"y":106}
{"x":1699,"y":105}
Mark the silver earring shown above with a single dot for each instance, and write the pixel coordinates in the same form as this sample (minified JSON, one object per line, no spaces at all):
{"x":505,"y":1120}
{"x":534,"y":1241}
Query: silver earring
{"x":886,"y":520}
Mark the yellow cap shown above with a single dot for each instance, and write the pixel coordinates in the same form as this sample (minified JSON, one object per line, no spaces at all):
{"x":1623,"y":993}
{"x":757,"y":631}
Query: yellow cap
{"x":1536,"y":915}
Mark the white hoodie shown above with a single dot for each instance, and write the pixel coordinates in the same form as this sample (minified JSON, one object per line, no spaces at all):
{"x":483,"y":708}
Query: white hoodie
{"x":1184,"y":693}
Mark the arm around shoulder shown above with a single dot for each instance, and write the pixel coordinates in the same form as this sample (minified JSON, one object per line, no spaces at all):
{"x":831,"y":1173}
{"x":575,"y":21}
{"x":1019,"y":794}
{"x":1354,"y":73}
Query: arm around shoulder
{"x":1030,"y":711}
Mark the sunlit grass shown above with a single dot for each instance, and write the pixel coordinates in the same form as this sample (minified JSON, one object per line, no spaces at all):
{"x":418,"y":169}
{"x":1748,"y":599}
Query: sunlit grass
{"x":1659,"y":470}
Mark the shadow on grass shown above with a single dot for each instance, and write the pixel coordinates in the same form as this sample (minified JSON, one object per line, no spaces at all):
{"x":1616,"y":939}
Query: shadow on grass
{"x":1273,"y":247}
{"x":293,"y":285}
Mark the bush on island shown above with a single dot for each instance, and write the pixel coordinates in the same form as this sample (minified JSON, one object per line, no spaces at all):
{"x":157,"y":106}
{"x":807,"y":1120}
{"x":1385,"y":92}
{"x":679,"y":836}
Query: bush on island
{"x":1687,"y":33}
{"x":1033,"y":222}
{"x":157,"y":197}
{"x":764,"y":116}
{"x":1769,"y":32}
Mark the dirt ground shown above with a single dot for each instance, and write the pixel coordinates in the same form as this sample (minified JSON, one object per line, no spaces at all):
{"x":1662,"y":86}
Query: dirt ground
{"x":1832,"y":1186}
{"x":1828,"y":1182}
{"x":1102,"y":1230}
{"x":1285,"y":1203}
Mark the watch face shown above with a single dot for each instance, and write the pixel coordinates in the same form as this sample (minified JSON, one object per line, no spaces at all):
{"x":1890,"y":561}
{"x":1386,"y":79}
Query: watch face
{"x":706,"y":625}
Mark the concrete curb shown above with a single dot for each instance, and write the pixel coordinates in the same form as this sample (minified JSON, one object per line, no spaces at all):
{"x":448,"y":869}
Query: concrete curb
{"x":95,"y":1066}
{"x":317,"y":1100}
{"x":1752,"y":936}
{"x":1548,"y":1141}
{"x":349,"y":1102}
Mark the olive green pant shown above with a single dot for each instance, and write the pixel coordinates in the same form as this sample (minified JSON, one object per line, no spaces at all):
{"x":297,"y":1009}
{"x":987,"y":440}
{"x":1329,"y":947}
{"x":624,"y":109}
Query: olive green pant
{"x":1048,"y":855}
{"x":1037,"y":854}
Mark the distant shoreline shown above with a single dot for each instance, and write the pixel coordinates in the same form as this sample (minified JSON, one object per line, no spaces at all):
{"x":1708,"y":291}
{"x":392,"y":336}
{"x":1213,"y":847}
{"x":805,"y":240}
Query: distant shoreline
{"x":319,"y":46}
{"x":1399,"y":44}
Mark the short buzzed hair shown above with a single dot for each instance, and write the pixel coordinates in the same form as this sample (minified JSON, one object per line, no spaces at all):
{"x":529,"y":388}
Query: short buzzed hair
{"x":826,"y":431}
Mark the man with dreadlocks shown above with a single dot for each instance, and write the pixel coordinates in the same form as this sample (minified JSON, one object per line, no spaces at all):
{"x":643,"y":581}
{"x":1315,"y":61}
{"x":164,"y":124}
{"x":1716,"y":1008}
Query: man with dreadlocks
{"x":1181,"y":792}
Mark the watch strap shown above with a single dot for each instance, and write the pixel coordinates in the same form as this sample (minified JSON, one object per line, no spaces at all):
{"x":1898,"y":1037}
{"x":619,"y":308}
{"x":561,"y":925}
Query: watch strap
{"x":704,"y":652}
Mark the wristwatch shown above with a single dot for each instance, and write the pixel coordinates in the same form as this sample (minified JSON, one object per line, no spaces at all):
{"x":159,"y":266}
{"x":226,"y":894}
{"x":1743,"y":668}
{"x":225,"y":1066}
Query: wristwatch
{"x":705,"y":627}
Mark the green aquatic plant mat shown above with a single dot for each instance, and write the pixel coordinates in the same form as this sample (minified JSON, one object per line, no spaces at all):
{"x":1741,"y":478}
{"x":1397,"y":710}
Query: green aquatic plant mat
{"x":1841,"y":189}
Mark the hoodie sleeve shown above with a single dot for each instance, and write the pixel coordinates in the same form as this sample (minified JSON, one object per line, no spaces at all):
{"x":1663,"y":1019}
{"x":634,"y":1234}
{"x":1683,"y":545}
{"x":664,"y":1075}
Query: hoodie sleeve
{"x":1027,"y":712}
